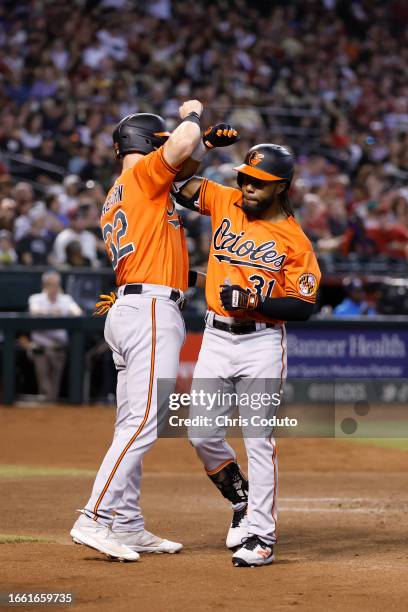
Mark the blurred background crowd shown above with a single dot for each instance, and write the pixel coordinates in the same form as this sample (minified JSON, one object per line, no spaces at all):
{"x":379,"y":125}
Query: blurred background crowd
{"x":326,"y":77}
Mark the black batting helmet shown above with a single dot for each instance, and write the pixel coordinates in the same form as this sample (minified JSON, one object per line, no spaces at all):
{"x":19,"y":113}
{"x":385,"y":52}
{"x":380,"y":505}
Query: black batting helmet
{"x":267,"y":162}
{"x":139,"y":133}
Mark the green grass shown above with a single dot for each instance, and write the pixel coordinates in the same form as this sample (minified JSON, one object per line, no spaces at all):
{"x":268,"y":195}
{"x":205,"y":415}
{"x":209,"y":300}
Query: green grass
{"x":393,"y":443}
{"x":29,"y":471}
{"x":22,"y":539}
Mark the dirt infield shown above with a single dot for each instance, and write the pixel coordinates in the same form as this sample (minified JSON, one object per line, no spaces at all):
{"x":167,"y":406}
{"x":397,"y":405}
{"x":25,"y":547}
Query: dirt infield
{"x":343,"y":519}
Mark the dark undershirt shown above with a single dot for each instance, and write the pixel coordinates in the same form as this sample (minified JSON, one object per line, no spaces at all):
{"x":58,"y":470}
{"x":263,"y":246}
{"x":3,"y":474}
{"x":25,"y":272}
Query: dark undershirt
{"x":285,"y":308}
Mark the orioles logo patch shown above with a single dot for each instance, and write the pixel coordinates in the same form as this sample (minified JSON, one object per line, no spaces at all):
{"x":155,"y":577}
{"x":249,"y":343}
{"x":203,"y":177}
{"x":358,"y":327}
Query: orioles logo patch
{"x":307,"y":284}
{"x":255,"y":158}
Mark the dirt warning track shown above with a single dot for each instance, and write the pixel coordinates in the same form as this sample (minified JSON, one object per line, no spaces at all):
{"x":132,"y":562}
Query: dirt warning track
{"x":343,"y":512}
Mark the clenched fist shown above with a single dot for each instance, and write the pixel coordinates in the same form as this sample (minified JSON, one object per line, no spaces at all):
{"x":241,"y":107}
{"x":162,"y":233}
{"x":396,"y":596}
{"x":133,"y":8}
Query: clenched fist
{"x":220,"y":135}
{"x":191,"y":106}
{"x":234,"y":297}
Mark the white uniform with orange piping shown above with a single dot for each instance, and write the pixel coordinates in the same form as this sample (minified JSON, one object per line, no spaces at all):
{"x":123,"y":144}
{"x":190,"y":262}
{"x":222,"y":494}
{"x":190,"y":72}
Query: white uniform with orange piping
{"x":144,"y":330}
{"x":231,"y":359}
{"x":276,"y":260}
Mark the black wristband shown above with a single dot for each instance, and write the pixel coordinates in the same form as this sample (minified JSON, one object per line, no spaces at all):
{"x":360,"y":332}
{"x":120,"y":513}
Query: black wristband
{"x":192,"y":278}
{"x":193,"y":117}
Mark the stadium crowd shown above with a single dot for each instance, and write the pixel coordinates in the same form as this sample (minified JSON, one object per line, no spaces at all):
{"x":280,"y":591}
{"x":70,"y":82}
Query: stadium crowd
{"x":326,"y":77}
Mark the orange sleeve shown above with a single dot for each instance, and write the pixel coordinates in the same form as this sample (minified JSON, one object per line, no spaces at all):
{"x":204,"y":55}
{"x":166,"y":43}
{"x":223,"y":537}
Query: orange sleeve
{"x":213,"y":196}
{"x":302,"y":276}
{"x":154,"y":173}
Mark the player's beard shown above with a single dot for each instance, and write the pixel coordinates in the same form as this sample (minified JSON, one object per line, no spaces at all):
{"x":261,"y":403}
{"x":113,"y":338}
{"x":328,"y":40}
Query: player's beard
{"x":258,"y":209}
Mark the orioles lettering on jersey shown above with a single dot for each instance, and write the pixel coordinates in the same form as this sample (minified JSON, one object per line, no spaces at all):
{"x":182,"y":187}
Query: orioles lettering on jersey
{"x":273,"y":259}
{"x":236,"y":247}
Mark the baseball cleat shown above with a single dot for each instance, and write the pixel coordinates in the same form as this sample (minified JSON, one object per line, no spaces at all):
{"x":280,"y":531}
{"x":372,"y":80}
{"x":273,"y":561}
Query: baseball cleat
{"x":252,"y":553}
{"x":238,"y":529}
{"x":90,"y":533}
{"x":144,"y":541}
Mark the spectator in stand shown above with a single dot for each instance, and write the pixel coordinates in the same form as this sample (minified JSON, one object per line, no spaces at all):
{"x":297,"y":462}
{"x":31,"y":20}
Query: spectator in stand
{"x":76,"y":231}
{"x":8,"y":255}
{"x":326,"y":77}
{"x":69,"y":198}
{"x":56,"y":220}
{"x":51,"y":159}
{"x":73,"y":255}
{"x":5,"y":182}
{"x":354,"y":303}
{"x":32,"y":136}
{"x":91,"y":218}
{"x":35,"y":247}
{"x":98,"y":168}
{"x":399,"y":210}
{"x":8,"y":214}
{"x":23,"y":194}
{"x":314,"y":217}
{"x":48,"y":348}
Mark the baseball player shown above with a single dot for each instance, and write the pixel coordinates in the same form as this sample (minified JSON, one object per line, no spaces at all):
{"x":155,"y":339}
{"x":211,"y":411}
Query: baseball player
{"x":261,"y":272}
{"x":144,"y":327}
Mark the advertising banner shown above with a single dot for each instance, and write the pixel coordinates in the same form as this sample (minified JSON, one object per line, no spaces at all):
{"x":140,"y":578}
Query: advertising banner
{"x":334,"y":365}
{"x":330,"y":353}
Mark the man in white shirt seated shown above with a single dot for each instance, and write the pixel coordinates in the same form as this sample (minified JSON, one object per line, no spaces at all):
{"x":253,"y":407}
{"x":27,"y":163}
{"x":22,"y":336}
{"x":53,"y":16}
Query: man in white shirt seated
{"x":49,"y":346}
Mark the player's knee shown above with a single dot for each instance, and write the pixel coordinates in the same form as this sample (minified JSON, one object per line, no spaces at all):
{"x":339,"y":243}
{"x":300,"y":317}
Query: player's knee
{"x":197,"y":443}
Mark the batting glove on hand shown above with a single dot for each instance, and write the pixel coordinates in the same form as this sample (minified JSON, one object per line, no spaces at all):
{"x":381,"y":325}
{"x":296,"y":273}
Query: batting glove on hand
{"x":220,"y":135}
{"x":107,"y":301}
{"x":234,"y":297}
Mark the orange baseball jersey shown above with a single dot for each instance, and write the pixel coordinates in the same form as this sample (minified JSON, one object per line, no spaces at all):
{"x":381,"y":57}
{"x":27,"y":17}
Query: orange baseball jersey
{"x":273,"y":259}
{"x":141,"y":228}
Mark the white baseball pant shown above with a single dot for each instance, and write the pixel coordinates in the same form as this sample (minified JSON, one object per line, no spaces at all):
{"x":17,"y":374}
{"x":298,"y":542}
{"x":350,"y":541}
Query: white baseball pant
{"x":226,"y":360}
{"x":145,"y":333}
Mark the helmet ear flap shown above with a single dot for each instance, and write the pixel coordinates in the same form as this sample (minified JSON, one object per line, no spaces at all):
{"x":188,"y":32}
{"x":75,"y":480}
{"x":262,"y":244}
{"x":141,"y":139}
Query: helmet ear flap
{"x":240,"y":179}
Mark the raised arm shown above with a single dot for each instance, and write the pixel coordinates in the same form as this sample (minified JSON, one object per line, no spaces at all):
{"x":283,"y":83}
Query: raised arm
{"x":215,"y":136}
{"x":185,"y":189}
{"x":184,"y":139}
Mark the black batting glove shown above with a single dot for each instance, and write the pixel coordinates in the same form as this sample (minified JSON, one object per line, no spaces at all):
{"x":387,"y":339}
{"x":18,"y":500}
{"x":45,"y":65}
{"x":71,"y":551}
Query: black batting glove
{"x":234,"y":297}
{"x":220,"y":135}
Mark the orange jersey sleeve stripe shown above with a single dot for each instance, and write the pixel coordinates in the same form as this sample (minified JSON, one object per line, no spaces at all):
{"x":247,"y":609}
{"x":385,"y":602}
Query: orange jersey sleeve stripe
{"x":166,"y":164}
{"x":202,"y":195}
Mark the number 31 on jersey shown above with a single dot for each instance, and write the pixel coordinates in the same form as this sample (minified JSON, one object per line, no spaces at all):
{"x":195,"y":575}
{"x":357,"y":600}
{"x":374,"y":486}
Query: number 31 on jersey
{"x":114,"y":236}
{"x":259,"y":284}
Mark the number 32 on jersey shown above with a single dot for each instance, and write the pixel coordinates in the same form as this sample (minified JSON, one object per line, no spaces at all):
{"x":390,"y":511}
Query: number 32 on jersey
{"x":114,"y":236}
